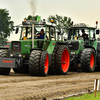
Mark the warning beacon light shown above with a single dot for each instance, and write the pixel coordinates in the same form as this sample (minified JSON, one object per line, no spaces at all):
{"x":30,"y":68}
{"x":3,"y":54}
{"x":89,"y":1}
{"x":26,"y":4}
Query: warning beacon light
{"x":52,"y":21}
{"x":96,"y":23}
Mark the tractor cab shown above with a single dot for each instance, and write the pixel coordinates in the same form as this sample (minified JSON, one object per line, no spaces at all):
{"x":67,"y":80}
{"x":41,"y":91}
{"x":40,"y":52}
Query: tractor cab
{"x":44,"y":39}
{"x":84,"y":46}
{"x":81,"y":36}
{"x":82,"y":32}
{"x":30,"y":32}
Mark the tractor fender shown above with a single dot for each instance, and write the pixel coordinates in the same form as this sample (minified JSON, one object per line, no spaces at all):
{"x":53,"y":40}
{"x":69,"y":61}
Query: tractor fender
{"x":60,"y":43}
{"x":90,"y":47}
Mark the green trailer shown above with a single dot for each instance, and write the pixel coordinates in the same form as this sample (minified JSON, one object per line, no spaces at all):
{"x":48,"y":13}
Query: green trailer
{"x":38,"y":57}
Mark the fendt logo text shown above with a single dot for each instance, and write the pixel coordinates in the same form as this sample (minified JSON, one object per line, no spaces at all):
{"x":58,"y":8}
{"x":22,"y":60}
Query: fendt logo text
{"x":7,"y":61}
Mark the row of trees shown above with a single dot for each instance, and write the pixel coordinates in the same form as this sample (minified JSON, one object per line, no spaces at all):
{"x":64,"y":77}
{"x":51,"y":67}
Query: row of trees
{"x":60,"y":21}
{"x":7,"y":25}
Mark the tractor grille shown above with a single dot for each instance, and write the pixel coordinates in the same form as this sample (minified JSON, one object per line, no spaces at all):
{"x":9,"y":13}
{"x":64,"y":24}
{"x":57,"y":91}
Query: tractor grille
{"x":73,"y":45}
{"x":16,"y":46}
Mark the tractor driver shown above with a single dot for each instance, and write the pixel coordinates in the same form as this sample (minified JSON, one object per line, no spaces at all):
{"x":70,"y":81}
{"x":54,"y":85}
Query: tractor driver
{"x":41,"y":34}
{"x":84,"y":35}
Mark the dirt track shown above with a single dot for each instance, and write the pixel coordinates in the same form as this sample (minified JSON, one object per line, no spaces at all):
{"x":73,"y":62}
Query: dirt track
{"x":26,"y":87}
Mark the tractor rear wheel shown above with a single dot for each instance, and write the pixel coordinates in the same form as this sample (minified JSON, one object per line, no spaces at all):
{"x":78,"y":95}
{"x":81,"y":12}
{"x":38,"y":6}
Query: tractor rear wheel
{"x":4,"y":54}
{"x":88,"y":60}
{"x":38,"y":63}
{"x":62,"y":60}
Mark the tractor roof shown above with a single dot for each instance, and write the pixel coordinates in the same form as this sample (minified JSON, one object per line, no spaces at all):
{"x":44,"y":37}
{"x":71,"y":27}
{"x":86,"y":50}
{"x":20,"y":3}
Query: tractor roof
{"x":38,"y":25}
{"x":81,"y":26}
{"x":28,"y":23}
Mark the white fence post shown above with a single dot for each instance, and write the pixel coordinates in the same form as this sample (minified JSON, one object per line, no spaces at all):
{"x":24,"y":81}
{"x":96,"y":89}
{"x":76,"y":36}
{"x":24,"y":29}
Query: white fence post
{"x":97,"y":84}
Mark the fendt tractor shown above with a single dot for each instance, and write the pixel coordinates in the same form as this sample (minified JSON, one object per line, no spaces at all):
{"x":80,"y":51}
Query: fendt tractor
{"x":84,"y":47}
{"x":36,"y":56}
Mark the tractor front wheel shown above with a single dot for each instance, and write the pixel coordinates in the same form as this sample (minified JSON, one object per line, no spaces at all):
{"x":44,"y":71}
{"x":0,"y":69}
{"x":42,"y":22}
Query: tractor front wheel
{"x":88,"y":60}
{"x":38,"y":63}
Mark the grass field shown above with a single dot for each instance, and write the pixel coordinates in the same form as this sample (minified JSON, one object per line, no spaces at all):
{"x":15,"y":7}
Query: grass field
{"x":85,"y":97}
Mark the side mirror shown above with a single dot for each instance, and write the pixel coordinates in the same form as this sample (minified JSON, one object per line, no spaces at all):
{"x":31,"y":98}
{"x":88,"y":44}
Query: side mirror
{"x":59,"y":33}
{"x":97,"y":32}
{"x":17,"y":29}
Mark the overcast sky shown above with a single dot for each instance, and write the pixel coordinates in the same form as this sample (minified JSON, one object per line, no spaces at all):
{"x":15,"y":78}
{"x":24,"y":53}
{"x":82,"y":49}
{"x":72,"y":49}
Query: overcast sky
{"x":80,"y":11}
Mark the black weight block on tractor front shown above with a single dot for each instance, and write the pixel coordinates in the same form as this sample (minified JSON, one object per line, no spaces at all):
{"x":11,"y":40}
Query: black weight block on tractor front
{"x":7,"y":62}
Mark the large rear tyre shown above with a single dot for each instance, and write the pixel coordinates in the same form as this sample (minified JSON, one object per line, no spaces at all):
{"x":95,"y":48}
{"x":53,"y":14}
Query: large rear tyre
{"x":4,"y":54}
{"x":38,"y":63}
{"x":62,"y":60}
{"x":88,"y":60}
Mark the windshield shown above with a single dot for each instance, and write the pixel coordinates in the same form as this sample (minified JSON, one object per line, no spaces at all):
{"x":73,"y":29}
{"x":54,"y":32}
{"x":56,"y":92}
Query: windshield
{"x":26,"y":32}
{"x":49,"y":32}
{"x":79,"y":33}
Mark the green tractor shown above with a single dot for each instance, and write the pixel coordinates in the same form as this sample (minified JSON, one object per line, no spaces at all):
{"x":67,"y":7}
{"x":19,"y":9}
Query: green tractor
{"x":39,"y":57}
{"x":84,"y":46}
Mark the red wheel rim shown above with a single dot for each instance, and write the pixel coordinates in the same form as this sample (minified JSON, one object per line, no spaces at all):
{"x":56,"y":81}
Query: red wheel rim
{"x":65,"y":60}
{"x":92,"y":61}
{"x":46,"y":65}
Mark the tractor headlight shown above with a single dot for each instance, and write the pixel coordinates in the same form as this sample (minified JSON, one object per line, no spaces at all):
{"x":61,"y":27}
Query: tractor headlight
{"x":20,"y":55}
{"x":11,"y":55}
{"x":72,"y":52}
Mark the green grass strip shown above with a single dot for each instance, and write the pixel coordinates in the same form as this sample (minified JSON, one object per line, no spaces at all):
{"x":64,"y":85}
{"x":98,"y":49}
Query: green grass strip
{"x":85,"y":97}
